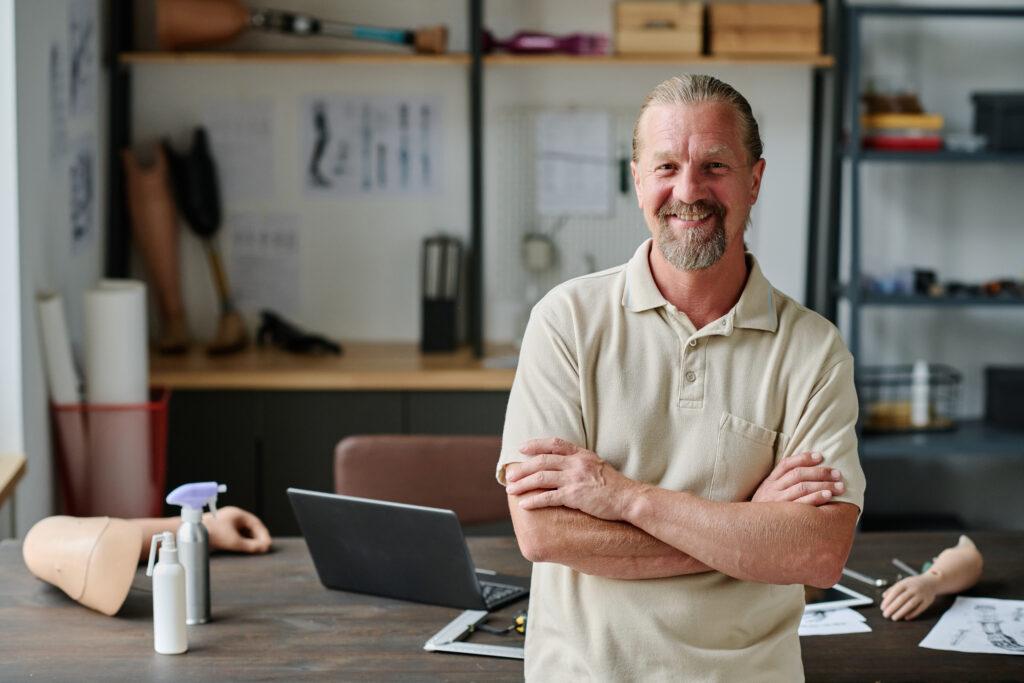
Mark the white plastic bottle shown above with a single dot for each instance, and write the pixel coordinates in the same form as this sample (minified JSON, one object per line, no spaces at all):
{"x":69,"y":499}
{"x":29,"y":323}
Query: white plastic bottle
{"x":169,"y":635}
{"x":919,"y":400}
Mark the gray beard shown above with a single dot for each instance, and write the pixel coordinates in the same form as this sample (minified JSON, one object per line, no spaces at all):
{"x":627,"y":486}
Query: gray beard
{"x":697,"y":249}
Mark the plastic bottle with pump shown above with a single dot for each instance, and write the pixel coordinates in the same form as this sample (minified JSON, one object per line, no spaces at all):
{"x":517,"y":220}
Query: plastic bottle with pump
{"x":194,"y":544}
{"x":169,"y":635}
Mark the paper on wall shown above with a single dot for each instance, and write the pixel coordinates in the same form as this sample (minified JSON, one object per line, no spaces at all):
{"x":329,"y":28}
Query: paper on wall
{"x":363,"y":145}
{"x":82,"y":206}
{"x":82,"y":58}
{"x":574,"y":163}
{"x":263,"y":261}
{"x":241,"y":138}
{"x":985,"y":625}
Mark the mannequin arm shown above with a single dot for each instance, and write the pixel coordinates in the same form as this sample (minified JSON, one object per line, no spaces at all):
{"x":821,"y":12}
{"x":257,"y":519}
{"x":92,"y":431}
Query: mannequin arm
{"x":233,"y":529}
{"x":955,"y":569}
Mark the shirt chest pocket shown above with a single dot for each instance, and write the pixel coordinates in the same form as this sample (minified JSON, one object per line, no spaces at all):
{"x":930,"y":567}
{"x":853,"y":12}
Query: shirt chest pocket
{"x":745,"y":456}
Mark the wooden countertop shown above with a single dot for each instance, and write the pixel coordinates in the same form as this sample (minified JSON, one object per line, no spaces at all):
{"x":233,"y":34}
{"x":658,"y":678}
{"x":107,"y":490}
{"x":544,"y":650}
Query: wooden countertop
{"x":12,"y":468}
{"x":363,"y":367}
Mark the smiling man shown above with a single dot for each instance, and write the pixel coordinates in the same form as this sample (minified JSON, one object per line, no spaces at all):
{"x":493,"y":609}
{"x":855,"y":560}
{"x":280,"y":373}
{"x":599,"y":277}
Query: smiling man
{"x":679,"y":449}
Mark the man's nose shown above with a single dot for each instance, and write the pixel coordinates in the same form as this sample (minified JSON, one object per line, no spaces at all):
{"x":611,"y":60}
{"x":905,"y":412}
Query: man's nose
{"x":689,"y":186}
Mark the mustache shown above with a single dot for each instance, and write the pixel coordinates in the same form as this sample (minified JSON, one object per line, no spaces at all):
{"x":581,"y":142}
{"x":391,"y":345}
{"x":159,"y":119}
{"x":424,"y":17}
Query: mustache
{"x":699,"y":206}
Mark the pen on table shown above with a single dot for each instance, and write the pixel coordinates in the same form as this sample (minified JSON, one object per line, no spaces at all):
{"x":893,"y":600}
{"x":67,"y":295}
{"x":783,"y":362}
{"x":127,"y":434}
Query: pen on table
{"x":903,"y":566}
{"x":875,"y":583}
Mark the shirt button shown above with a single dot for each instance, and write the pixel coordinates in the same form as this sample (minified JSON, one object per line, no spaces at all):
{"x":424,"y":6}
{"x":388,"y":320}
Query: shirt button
{"x":691,"y":377}
{"x":693,"y":342}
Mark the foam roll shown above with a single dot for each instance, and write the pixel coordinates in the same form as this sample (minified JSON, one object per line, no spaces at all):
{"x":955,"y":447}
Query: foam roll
{"x":60,"y":369}
{"x":116,"y":358}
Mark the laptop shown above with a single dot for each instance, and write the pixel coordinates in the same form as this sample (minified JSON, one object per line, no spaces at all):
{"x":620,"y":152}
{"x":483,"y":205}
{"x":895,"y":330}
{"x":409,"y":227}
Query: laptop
{"x":398,"y":551}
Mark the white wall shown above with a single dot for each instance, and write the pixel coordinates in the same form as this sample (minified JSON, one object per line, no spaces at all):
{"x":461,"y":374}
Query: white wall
{"x":11,"y":433}
{"x":50,"y":261}
{"x":963,"y":220}
{"x":359,"y":258}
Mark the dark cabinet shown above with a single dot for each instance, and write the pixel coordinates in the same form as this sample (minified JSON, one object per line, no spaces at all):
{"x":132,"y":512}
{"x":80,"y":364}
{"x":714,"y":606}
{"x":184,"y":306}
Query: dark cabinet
{"x":261,"y":442}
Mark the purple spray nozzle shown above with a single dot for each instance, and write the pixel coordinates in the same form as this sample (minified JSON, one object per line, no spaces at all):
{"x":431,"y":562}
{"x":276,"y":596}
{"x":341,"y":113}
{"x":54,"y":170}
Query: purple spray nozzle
{"x":197,"y":495}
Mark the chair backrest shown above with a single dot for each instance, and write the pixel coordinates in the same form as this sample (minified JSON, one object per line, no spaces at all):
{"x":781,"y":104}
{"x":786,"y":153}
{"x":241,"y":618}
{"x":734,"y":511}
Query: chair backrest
{"x":451,"y":472}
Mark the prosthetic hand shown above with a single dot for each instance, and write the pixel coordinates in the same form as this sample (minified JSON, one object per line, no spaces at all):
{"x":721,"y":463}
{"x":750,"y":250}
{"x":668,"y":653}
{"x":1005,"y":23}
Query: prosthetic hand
{"x":954,"y":570}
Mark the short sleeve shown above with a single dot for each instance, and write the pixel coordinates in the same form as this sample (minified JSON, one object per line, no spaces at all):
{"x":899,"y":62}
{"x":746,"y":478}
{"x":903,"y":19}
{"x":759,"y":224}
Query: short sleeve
{"x":545,"y":397}
{"x":828,"y":426}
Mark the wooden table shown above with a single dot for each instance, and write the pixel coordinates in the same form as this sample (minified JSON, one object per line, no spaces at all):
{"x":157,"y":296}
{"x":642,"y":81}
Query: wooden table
{"x":273,"y":621}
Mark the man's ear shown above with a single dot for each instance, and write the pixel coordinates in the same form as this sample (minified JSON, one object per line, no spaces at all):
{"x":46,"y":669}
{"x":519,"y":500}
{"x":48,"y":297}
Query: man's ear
{"x":636,"y":184}
{"x":755,"y":187}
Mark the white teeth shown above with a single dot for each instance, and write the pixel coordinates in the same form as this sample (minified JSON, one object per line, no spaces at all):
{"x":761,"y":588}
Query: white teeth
{"x":693,"y":217}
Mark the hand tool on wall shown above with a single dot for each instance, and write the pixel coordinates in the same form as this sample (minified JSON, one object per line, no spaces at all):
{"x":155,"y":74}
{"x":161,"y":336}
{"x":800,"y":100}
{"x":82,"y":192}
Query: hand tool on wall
{"x":155,"y":227}
{"x":186,"y":23}
{"x":194,"y":179}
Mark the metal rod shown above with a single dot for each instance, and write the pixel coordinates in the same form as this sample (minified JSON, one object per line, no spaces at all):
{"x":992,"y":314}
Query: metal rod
{"x":476,"y":174}
{"x":903,"y":566}
{"x":863,"y":578}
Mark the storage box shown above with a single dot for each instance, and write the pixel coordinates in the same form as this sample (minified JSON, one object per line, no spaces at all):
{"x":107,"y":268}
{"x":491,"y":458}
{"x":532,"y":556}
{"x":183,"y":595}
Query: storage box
{"x":666,"y":27}
{"x":1000,"y":118}
{"x":765,"y":29}
{"x":1004,"y":396}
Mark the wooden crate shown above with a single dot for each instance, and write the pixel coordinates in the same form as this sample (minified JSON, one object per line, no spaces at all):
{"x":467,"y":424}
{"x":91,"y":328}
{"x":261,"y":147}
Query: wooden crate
{"x":765,"y":29}
{"x":653,"y":27}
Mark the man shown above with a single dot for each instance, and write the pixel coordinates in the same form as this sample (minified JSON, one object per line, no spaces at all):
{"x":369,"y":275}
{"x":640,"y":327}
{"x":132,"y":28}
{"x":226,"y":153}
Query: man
{"x":651,"y":404}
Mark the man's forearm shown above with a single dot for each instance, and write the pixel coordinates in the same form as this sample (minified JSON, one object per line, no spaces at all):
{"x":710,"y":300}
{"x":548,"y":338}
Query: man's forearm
{"x":615,"y":550}
{"x":781,"y":543}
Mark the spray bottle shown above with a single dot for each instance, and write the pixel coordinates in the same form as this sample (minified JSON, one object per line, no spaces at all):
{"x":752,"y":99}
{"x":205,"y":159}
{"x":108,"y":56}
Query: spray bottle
{"x":194,"y":545}
{"x":169,"y":636}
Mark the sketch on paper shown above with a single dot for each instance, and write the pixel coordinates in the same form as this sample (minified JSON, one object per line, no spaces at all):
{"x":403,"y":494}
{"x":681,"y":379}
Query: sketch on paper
{"x":58,"y":107}
{"x":574,"y":163}
{"x":82,"y":57}
{"x":371,"y":145}
{"x":82,"y":192}
{"x":985,"y":625}
{"x":263,"y":262}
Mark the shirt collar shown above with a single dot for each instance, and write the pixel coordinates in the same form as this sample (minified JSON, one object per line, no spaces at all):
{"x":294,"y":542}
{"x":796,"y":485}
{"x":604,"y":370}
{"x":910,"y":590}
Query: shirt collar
{"x":754,"y":310}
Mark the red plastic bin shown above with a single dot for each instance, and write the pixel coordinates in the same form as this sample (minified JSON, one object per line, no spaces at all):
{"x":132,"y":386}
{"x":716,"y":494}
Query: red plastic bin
{"x":111,"y":459}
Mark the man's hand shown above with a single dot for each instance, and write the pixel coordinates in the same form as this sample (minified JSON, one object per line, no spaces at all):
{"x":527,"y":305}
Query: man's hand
{"x":236,"y":530}
{"x":800,"y":479}
{"x":563,"y":474}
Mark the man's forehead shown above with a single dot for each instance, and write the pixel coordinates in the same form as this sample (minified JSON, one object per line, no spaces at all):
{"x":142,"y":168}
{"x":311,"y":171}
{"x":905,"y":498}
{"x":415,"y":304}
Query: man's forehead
{"x":707,"y":127}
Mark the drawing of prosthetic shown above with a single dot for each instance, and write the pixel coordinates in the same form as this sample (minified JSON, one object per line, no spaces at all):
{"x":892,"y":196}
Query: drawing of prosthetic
{"x":990,"y":625}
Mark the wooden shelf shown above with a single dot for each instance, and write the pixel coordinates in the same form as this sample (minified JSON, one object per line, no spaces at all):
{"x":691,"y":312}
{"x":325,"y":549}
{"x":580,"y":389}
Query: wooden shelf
{"x":460,"y":59}
{"x":363,"y":367}
{"x":610,"y":60}
{"x":223,"y":57}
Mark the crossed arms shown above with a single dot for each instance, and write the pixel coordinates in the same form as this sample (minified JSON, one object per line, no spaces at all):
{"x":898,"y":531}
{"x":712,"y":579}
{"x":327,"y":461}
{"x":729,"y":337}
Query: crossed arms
{"x":571,"y":507}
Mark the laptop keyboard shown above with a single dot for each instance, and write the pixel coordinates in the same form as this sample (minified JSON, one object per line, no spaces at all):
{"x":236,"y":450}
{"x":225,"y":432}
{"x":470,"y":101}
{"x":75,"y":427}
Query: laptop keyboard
{"x":495,"y":593}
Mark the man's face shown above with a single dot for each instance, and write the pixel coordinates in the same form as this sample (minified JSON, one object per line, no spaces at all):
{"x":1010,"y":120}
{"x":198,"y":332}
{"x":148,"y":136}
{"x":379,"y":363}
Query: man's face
{"x":694,"y":182}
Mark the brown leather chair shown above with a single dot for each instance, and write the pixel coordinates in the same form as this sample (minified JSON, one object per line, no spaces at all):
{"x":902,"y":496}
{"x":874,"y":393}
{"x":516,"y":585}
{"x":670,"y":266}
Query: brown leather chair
{"x":451,"y":472}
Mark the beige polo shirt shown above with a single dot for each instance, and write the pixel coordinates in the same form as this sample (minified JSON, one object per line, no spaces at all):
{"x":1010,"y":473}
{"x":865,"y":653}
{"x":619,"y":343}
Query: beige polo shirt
{"x":607,"y":363}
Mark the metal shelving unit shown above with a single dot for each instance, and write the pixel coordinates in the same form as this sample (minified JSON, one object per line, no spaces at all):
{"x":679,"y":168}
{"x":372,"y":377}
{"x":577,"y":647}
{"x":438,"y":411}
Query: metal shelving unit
{"x":971,"y":437}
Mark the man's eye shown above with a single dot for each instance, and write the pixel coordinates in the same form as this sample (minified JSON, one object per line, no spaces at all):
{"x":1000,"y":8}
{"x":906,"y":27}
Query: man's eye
{"x":664,"y":167}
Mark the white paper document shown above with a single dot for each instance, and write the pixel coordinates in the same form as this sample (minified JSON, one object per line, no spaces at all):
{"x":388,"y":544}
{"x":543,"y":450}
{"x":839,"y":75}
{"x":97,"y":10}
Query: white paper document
{"x":241,"y":137}
{"x":984,"y":625}
{"x":574,"y":163}
{"x":832,"y":622}
{"x":371,"y":145}
{"x":264,"y":261}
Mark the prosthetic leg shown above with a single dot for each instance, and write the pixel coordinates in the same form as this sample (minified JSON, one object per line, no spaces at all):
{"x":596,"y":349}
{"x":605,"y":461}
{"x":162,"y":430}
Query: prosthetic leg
{"x":155,"y":227}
